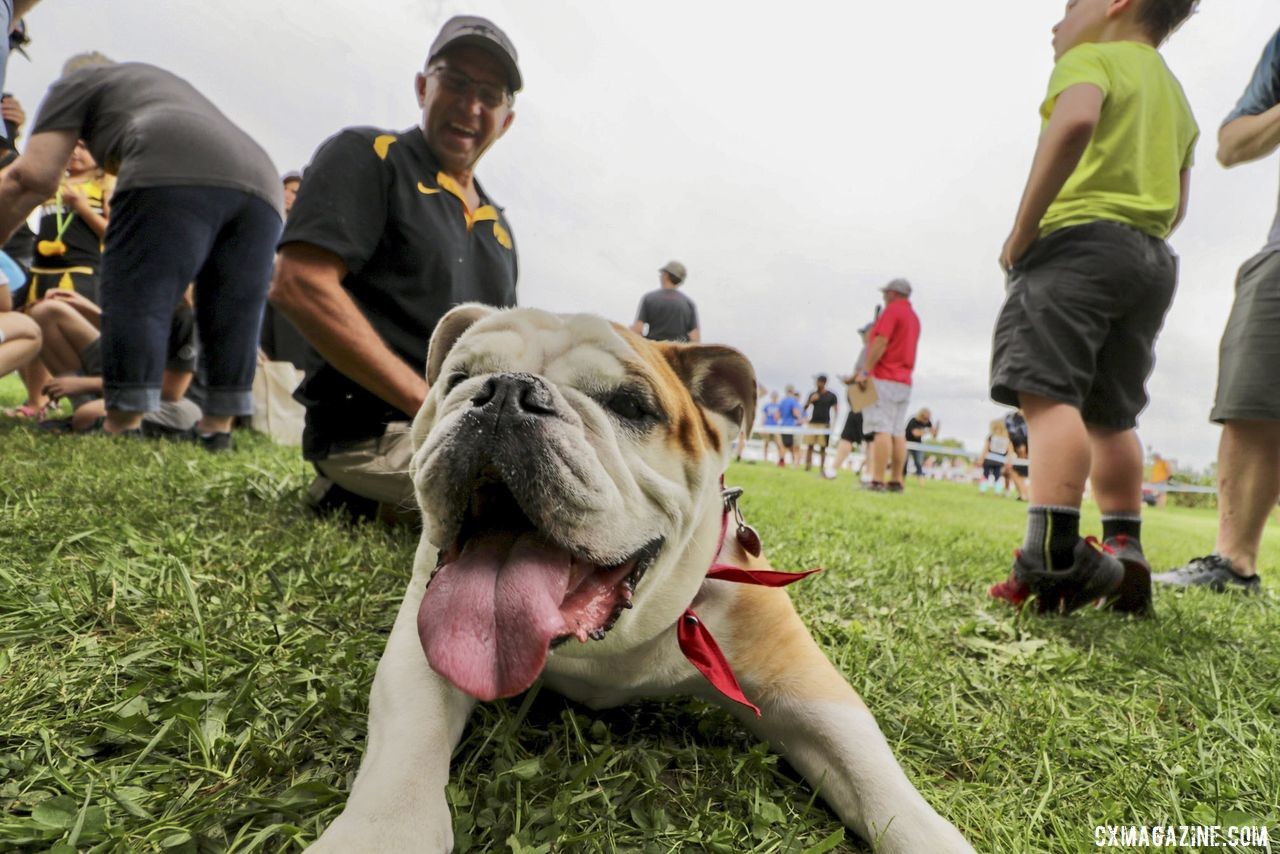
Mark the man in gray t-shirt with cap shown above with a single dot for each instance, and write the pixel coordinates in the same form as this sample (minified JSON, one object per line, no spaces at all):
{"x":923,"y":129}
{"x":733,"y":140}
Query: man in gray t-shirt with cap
{"x":666,"y":314}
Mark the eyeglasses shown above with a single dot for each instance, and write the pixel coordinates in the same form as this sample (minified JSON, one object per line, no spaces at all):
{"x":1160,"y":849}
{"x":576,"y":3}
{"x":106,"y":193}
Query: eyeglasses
{"x":457,"y":83}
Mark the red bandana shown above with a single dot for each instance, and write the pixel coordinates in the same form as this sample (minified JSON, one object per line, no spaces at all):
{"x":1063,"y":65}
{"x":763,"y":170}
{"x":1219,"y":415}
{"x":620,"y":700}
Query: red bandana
{"x":696,"y":641}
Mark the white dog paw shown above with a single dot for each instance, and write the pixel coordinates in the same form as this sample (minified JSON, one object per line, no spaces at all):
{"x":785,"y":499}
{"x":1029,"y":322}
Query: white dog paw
{"x":382,"y":834}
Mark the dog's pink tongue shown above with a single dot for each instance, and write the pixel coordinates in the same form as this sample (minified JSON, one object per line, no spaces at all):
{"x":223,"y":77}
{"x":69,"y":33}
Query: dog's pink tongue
{"x":488,"y":618}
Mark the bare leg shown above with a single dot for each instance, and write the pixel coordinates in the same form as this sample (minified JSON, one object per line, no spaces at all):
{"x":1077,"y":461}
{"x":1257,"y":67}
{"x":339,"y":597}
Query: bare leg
{"x":21,"y":341}
{"x":843,"y":450}
{"x":1117,"y":470}
{"x":878,"y":458}
{"x":66,"y":334}
{"x":1062,"y":456}
{"x":899,"y":460}
{"x":1248,"y":488}
{"x":34,"y":376}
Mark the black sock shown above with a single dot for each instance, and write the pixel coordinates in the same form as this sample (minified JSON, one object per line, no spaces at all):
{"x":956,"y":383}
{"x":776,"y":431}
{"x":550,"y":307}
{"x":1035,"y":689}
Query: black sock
{"x":1052,"y":533}
{"x":1117,"y":524}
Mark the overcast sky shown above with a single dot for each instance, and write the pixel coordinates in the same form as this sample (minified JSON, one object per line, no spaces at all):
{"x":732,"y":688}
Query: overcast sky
{"x":794,"y":156}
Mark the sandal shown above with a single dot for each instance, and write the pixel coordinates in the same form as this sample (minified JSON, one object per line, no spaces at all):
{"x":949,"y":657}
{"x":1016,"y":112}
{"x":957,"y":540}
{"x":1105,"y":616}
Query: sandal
{"x":28,"y":411}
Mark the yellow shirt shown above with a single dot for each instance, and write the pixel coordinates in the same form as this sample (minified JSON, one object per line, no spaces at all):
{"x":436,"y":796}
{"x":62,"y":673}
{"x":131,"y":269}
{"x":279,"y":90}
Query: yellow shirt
{"x":1145,"y":138}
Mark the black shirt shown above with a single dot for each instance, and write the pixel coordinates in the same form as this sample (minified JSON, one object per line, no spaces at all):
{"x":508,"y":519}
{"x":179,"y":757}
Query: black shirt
{"x":379,"y":202}
{"x":1016,"y":424}
{"x":916,"y":424}
{"x":670,"y":314}
{"x":820,"y":404}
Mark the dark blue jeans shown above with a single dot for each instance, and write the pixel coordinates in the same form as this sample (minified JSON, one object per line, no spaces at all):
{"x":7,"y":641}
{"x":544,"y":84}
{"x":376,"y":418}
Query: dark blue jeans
{"x":158,"y":240}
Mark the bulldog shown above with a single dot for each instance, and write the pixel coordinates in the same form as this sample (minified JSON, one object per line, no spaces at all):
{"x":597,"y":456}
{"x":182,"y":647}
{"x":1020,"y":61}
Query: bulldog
{"x":575,"y":531}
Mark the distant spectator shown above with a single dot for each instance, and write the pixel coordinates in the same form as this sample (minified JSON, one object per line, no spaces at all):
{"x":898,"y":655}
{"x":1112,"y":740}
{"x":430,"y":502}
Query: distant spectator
{"x":666,"y":314}
{"x":196,"y":199}
{"x":791,"y":415}
{"x":852,"y":433}
{"x":891,"y":360}
{"x":1017,"y":469}
{"x":771,"y":413}
{"x":280,"y":339}
{"x":921,"y":429}
{"x":822,"y":407}
{"x":1160,"y":474}
{"x":994,"y":455}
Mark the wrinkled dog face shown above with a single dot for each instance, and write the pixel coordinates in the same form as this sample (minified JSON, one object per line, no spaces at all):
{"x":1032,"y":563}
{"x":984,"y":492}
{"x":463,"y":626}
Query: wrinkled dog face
{"x":567,"y":471}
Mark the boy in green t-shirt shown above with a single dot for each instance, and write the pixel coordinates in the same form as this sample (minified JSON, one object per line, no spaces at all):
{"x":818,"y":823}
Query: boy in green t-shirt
{"x":1090,"y":278}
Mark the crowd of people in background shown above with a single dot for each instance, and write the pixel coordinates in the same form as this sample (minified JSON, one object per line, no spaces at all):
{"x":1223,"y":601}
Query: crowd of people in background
{"x":142,"y":297}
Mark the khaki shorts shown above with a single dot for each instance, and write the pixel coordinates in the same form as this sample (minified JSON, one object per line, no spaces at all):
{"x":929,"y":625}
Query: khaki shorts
{"x":377,"y":468}
{"x":1250,"y":351}
{"x":815,"y":440}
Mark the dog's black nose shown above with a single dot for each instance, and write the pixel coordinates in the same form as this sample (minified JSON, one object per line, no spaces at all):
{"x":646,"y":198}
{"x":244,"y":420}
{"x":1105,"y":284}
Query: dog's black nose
{"x":526,"y":392}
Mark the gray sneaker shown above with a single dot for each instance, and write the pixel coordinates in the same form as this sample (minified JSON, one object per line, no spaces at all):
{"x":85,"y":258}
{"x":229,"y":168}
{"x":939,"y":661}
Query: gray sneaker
{"x":1133,"y":596}
{"x":1213,"y":571}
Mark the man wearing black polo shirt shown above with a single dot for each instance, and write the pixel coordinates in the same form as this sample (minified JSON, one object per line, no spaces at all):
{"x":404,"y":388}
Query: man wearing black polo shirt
{"x":388,"y":232}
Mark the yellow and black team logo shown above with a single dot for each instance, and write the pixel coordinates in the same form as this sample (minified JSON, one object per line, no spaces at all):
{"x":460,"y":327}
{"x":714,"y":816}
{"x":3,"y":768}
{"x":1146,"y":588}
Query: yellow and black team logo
{"x":501,"y":234}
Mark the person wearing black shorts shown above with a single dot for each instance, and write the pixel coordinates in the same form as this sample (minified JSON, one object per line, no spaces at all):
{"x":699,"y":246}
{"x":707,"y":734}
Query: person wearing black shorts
{"x":822,"y":406}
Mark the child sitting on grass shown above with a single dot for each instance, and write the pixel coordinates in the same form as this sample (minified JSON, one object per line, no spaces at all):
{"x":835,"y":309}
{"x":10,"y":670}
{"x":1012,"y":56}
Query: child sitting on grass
{"x":1090,"y":278}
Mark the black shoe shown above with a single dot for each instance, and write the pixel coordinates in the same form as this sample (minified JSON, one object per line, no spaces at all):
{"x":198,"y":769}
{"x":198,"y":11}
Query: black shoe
{"x":1093,"y":575}
{"x":170,"y":434}
{"x":324,"y":498}
{"x":874,"y":486}
{"x":98,"y":428}
{"x":216,"y":443}
{"x":1134,"y":594}
{"x":1213,"y":571}
{"x":894,"y":486}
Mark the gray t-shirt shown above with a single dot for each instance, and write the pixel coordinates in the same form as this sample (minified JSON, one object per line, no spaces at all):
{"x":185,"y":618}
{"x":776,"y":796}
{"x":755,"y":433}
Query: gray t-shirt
{"x":153,"y":129}
{"x":670,"y":314}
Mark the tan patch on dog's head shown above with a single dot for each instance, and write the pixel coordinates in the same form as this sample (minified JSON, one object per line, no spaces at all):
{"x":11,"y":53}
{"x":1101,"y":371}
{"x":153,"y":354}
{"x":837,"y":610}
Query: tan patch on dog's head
{"x":691,"y":377}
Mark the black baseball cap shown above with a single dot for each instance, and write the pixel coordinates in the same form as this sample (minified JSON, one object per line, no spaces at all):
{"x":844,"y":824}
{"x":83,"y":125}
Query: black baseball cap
{"x":484,"y":34}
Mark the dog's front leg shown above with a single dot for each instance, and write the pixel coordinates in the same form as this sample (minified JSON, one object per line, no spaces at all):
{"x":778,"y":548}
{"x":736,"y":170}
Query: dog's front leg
{"x":813,"y":716}
{"x":415,"y":719}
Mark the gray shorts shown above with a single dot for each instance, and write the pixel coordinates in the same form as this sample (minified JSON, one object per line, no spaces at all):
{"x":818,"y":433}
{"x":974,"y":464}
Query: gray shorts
{"x":1250,"y":351}
{"x":376,"y":468}
{"x":889,"y":413}
{"x":1080,"y":320}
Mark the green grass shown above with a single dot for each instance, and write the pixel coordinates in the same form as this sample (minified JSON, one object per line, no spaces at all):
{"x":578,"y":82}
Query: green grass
{"x":185,"y":657}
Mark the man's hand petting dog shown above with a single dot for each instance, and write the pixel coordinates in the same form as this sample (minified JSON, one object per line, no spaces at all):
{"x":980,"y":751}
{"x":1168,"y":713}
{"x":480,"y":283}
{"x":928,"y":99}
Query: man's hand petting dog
{"x":569,"y":476}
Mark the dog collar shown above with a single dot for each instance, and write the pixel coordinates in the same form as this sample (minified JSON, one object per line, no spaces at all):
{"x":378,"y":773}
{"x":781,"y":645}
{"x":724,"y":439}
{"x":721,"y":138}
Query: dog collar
{"x":696,"y":641}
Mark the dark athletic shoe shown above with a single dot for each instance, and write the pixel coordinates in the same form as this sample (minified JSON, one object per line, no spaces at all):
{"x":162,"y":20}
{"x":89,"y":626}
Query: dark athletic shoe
{"x":1213,"y":571}
{"x":1093,"y":575}
{"x":874,"y":486}
{"x":1010,"y":590}
{"x":894,"y":486}
{"x":216,"y":443}
{"x":1134,"y":594}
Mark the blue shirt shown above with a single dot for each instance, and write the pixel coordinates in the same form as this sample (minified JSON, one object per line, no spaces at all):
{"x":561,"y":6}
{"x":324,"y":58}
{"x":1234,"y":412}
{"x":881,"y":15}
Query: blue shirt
{"x":791,"y":412}
{"x":1263,"y":93}
{"x":772,"y":414}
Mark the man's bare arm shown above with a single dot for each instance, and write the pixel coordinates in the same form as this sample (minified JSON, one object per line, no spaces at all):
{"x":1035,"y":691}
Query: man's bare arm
{"x":874,"y":352}
{"x":307,"y":287}
{"x":695,"y":335}
{"x":638,"y":327}
{"x":33,"y":177}
{"x":1249,"y":137}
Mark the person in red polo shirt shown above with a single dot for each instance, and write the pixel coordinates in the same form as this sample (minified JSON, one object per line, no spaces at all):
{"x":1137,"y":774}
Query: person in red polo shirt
{"x":891,"y":359}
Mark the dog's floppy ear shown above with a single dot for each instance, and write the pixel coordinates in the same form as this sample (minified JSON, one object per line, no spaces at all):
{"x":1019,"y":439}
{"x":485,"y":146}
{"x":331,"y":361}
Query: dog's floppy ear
{"x":719,"y":378}
{"x":448,"y":331}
